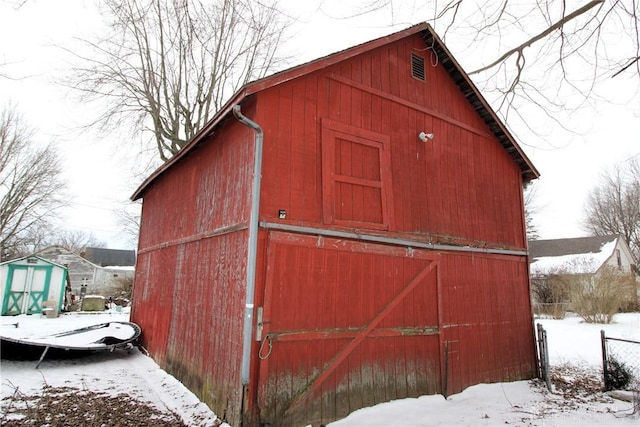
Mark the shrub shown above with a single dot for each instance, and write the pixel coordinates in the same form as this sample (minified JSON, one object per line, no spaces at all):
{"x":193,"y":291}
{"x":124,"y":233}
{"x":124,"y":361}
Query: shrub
{"x":596,"y":298}
{"x":123,"y":288}
{"x":551,"y":294}
{"x":618,"y":375}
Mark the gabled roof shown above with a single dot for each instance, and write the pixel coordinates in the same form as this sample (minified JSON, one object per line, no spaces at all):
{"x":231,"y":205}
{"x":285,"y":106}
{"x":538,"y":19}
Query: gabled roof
{"x":572,"y":246}
{"x":63,"y":255}
{"x":575,"y":255}
{"x":432,"y":41}
{"x":110,"y":257}
{"x":22,"y":258}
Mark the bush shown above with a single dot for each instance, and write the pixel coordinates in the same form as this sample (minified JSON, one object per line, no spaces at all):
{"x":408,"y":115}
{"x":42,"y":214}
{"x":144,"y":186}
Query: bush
{"x":596,"y":298}
{"x":618,"y":375}
{"x":551,"y":295}
{"x":123,"y":288}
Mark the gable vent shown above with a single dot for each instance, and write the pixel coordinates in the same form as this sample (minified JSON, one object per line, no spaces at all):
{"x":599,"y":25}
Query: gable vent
{"x":417,"y":67}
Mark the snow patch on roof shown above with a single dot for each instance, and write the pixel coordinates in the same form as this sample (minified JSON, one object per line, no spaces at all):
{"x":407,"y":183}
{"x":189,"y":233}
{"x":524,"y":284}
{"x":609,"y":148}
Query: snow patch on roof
{"x":120,"y":267}
{"x":574,"y":263}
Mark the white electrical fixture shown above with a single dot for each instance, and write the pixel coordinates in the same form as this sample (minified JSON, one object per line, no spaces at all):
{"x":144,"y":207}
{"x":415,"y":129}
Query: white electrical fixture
{"x":425,"y":136}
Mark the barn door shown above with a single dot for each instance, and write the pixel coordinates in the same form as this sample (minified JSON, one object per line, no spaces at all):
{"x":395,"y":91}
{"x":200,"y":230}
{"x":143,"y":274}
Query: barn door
{"x":26,"y":289}
{"x":345,"y":325}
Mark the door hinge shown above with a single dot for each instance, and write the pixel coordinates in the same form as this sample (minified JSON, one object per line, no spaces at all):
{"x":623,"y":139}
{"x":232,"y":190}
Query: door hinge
{"x":259,"y":323}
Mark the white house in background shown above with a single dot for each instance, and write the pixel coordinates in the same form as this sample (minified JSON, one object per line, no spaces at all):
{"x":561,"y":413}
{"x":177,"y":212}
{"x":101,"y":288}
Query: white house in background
{"x":102,"y":275}
{"x":580,"y":255}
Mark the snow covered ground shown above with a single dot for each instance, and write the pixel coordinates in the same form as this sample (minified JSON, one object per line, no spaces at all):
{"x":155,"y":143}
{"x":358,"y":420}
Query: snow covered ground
{"x":524,"y":403}
{"x":131,"y":373}
{"x":570,"y":342}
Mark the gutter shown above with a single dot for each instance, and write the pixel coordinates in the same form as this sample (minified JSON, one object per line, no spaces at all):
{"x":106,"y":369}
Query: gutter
{"x":253,"y":244}
{"x":389,"y":240}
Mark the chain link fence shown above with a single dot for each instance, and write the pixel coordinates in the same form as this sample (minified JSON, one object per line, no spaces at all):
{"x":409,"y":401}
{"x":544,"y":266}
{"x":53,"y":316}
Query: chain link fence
{"x":620,"y":363}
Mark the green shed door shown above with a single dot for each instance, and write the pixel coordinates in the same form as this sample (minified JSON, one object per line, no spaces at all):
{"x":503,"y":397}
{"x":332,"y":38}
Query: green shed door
{"x":26,"y":289}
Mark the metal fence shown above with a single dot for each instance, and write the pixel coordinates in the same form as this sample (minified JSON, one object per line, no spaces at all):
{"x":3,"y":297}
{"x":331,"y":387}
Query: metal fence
{"x":620,"y":363}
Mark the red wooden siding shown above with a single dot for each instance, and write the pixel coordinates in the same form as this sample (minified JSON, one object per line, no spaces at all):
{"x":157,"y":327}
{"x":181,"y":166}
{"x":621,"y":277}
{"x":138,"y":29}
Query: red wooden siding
{"x":486,"y":320}
{"x":190,"y":308}
{"x":207,"y":320}
{"x":460,"y":185}
{"x":190,"y":282}
{"x":351,"y":325}
{"x":347,"y":323}
{"x":211,"y":194}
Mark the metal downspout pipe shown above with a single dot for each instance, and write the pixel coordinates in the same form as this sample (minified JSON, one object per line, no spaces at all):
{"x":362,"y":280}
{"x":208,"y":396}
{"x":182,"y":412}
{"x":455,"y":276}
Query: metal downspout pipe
{"x":253,"y":244}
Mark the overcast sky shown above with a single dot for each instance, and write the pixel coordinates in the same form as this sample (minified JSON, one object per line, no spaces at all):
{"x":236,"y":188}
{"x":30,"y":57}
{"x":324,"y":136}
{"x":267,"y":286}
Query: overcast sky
{"x":98,"y":169}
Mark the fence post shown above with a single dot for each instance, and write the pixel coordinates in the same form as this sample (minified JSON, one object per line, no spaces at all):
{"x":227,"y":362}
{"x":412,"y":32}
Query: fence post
{"x":605,"y":375}
{"x":543,"y":356}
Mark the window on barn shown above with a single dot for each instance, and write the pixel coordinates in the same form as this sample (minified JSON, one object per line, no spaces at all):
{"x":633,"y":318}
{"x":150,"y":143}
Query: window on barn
{"x":417,"y":67}
{"x":355,"y":176}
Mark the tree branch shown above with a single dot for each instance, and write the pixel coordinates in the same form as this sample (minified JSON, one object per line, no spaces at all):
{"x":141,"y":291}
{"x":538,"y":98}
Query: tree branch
{"x":631,"y":62}
{"x":519,"y":49}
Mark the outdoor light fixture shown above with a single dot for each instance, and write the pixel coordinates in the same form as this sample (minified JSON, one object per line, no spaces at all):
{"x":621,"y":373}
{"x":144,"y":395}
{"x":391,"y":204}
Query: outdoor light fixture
{"x":425,"y":136}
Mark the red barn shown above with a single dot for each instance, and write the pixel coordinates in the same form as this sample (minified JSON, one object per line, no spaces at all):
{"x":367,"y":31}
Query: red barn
{"x":340,"y":234}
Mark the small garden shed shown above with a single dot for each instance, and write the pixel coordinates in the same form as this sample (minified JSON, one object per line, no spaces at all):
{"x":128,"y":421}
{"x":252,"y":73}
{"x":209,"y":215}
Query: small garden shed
{"x":27,"y":282}
{"x":340,"y":234}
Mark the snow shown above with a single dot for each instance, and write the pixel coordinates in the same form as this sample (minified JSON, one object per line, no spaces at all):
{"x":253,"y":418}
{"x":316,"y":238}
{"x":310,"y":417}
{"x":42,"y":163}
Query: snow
{"x":131,"y":372}
{"x":84,"y":339}
{"x":574,"y":263}
{"x":485,"y":405}
{"x":570,"y":341}
{"x":573,"y":341}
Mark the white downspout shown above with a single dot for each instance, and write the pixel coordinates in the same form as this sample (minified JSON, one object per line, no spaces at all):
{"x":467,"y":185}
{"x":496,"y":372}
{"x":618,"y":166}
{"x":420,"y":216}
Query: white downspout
{"x":253,"y":244}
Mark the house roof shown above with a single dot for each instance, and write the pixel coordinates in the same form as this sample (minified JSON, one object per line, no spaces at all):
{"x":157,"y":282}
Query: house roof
{"x":48,"y":261}
{"x":453,"y":68}
{"x":63,"y":256}
{"x":572,"y":246}
{"x":574,"y":255}
{"x":110,"y":257}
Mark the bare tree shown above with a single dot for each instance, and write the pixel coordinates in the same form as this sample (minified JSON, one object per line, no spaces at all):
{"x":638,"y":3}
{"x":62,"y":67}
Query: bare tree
{"x":613,"y":207}
{"x":30,"y":186}
{"x":129,"y":219}
{"x":168,"y":65}
{"x":74,"y":241}
{"x":533,"y":58}
{"x":530,"y":210}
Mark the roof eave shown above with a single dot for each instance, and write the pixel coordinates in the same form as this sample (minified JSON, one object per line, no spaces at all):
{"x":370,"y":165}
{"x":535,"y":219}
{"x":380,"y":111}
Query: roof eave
{"x":453,"y":68}
{"x":206,"y":130}
{"x":270,"y":81}
{"x":480,"y":104}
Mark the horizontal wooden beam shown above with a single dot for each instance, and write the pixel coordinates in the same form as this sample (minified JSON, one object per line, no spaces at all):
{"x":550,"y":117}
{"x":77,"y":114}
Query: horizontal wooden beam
{"x":311,"y":335}
{"x":388,"y":240}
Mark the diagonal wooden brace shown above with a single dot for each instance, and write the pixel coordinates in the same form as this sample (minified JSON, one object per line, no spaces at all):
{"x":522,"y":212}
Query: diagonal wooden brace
{"x":344,"y":353}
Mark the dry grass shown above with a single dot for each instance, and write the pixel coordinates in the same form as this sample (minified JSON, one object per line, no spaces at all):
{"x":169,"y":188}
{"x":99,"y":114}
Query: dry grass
{"x":71,"y":407}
